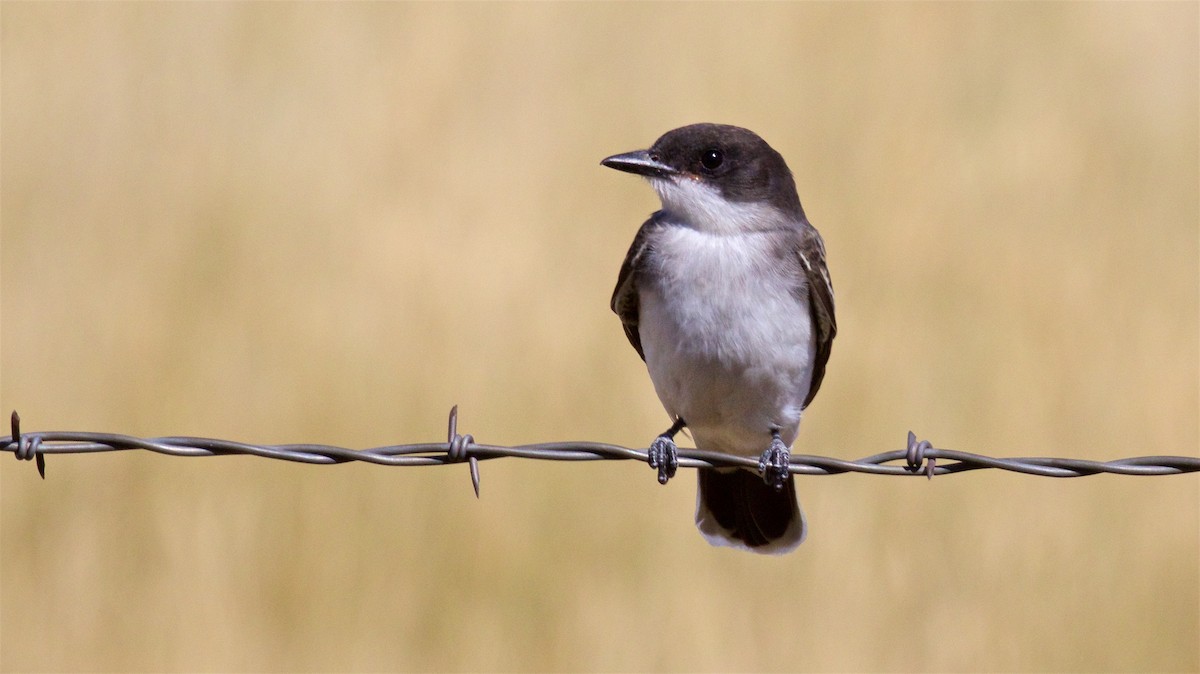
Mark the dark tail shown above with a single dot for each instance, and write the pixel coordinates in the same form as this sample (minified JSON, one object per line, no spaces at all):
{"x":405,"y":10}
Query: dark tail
{"x":735,"y":508}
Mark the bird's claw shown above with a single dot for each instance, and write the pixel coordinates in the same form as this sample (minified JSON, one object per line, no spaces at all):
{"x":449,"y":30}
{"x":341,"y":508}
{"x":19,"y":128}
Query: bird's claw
{"x":775,"y":464}
{"x":664,"y":456}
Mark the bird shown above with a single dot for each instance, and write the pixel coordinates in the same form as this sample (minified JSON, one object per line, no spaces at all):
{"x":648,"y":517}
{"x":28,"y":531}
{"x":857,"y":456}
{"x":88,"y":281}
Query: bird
{"x":726,"y":296}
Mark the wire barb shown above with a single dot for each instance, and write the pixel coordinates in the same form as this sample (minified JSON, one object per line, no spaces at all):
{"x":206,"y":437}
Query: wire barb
{"x":459,"y":448}
{"x":29,"y":446}
{"x":918,"y":457}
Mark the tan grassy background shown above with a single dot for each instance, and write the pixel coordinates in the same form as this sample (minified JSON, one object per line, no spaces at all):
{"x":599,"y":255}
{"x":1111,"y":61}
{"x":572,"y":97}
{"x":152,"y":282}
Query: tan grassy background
{"x":328,"y":223}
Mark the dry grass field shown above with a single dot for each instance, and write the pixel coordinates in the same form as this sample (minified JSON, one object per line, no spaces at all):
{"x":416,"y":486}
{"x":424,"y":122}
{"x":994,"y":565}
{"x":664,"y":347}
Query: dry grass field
{"x":328,"y":223}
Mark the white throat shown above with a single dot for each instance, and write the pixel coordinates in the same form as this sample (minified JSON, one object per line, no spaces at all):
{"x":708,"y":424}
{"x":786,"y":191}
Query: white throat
{"x":696,"y":205}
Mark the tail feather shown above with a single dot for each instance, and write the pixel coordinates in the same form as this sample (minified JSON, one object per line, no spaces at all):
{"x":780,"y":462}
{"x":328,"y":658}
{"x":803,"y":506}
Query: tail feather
{"x":735,"y":508}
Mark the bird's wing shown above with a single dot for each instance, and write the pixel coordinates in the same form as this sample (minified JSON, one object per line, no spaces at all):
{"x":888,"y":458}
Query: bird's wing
{"x":810,"y":249}
{"x":625,"y":296}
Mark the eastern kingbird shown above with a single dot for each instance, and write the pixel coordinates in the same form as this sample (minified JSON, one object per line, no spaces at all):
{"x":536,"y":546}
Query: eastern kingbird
{"x":726,"y":297}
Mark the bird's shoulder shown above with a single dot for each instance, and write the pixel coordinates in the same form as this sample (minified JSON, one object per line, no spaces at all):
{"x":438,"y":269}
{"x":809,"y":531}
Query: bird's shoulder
{"x":624,"y":301}
{"x":809,"y":249}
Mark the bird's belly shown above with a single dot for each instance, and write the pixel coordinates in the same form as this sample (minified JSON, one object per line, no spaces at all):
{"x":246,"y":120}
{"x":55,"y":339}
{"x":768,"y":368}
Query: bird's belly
{"x":730,"y":350}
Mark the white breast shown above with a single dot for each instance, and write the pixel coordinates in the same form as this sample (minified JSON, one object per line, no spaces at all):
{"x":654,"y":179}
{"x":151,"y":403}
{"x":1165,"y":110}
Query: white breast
{"x":728,"y":340}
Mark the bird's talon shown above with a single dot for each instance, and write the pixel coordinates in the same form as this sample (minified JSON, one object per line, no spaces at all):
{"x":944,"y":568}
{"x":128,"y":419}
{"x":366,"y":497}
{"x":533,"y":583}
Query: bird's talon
{"x":664,"y":456}
{"x":775,"y":464}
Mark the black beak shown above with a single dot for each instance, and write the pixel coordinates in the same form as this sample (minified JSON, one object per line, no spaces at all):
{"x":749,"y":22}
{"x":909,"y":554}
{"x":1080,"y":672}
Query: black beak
{"x":639,"y":162}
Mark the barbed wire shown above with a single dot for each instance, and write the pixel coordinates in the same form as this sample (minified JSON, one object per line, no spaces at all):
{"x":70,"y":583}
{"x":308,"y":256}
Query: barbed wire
{"x":920,"y":457}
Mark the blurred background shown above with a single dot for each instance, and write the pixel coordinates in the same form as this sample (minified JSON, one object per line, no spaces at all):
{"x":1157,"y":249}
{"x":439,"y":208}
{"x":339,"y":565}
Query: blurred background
{"x":328,"y":223}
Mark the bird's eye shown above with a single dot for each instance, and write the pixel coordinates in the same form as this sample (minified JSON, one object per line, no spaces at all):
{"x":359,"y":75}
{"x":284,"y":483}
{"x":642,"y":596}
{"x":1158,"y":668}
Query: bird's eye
{"x":711,"y":158}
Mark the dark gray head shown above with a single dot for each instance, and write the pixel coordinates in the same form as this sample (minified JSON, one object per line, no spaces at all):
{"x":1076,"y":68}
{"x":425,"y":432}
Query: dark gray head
{"x":727,"y":160}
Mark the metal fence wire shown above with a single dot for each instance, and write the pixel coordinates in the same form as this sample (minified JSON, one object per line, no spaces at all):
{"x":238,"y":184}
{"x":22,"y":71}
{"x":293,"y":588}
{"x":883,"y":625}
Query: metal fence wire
{"x":919,"y":457}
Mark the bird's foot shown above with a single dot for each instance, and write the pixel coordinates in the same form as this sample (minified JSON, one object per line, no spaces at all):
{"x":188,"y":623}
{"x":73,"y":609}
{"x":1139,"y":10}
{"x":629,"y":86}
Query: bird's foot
{"x":665,"y":457}
{"x":775,"y":463}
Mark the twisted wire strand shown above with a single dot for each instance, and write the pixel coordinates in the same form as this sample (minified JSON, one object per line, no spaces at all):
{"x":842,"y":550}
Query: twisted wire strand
{"x":918,"y":458}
